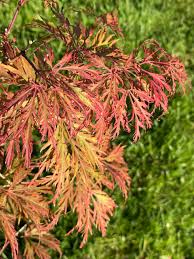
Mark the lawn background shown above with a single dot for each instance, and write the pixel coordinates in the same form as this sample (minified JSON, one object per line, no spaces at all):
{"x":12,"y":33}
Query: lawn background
{"x":157,"y":220}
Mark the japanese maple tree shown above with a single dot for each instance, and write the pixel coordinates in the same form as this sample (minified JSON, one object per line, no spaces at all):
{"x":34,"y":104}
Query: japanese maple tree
{"x":58,"y":118}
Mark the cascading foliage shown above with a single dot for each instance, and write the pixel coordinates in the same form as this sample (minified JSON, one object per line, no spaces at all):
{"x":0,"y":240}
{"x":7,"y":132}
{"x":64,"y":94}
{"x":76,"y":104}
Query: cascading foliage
{"x":58,"y":118}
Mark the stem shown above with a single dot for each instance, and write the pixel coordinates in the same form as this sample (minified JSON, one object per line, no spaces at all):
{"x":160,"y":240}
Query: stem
{"x":3,"y":248}
{"x":22,"y":229}
{"x":17,"y":10}
{"x":23,"y":53}
{"x":2,"y":176}
{"x":4,"y":256}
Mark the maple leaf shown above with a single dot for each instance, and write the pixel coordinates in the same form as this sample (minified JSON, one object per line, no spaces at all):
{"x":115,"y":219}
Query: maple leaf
{"x":116,"y":166}
{"x":7,"y":222}
{"x":79,"y":167}
{"x":136,"y":83}
{"x":26,"y":202}
{"x":111,"y":20}
{"x":32,"y":108}
{"x":38,"y":244}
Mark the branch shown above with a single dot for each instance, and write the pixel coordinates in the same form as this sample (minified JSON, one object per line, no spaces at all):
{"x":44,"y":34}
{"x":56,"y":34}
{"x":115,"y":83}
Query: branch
{"x":17,"y":10}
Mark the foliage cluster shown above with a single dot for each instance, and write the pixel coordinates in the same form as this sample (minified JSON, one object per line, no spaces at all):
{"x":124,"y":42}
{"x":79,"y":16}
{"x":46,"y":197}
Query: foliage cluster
{"x":69,"y":110}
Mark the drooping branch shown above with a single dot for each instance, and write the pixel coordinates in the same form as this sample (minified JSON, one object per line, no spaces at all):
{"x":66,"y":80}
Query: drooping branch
{"x":74,"y":106}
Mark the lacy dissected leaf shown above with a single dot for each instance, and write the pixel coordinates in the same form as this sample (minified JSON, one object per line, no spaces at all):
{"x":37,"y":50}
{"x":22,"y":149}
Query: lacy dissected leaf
{"x":110,"y":20}
{"x":133,"y":87}
{"x":7,"y":222}
{"x":94,"y":207}
{"x":78,"y":37}
{"x":26,"y":202}
{"x":17,"y":66}
{"x":39,"y":243}
{"x":79,"y":167}
{"x":102,"y":39}
{"x":39,"y":105}
{"x":116,"y":166}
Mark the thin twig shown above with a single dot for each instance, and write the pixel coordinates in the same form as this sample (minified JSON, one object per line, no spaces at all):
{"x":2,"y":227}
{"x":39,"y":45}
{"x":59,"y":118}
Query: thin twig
{"x":4,"y":246}
{"x":11,"y":24}
{"x":2,"y":176}
{"x":22,"y":229}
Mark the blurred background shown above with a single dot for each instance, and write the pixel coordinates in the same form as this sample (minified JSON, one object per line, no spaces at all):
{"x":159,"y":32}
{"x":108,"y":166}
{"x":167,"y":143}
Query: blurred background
{"x":157,"y":219}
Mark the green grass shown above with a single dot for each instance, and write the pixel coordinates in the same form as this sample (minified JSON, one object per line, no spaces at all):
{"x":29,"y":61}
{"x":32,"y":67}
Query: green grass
{"x":157,"y":220}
